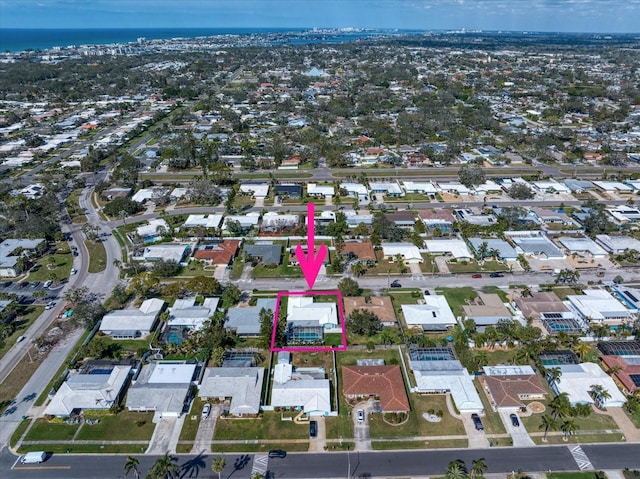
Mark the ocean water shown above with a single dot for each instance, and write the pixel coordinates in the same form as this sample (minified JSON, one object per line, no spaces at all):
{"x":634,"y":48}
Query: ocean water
{"x":18,"y":39}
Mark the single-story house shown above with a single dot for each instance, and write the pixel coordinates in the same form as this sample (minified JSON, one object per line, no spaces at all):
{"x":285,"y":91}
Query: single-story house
{"x":186,"y":314}
{"x":166,"y":251}
{"x":403,"y":219}
{"x":504,"y":249}
{"x":475,"y":217}
{"x":361,"y":251}
{"x":355,"y":219}
{"x":383,"y":382}
{"x":246,"y":222}
{"x":550,"y":186}
{"x":355,"y":190}
{"x":389,"y":188}
{"x":243,"y":385}
{"x":301,"y":389}
{"x":613,"y":186}
{"x":319,"y":191}
{"x":246,"y":321}
{"x":546,"y":307}
{"x":423,"y":187}
{"x":272,"y":221}
{"x":437,"y":220}
{"x":577,"y":380}
{"x":381,"y":306}
{"x":547,"y":217}
{"x":624,"y":214}
{"x":153,"y":230}
{"x":12,"y":249}
{"x":266,"y":251}
{"x":306,"y":320}
{"x":625,"y":370}
{"x":582,"y":246}
{"x":217,"y":253}
{"x":149,"y":194}
{"x":90,"y":390}
{"x":290,"y":190}
{"x":537,"y":245}
{"x":488,"y":309}
{"x":509,"y":386}
{"x":438,"y":372}
{"x":434,"y":315}
{"x":454,"y":247}
{"x":163,"y":387}
{"x":600,"y":306}
{"x":132,"y":323}
{"x":618,"y":244}
{"x":453,"y":187}
{"x":258,"y":190}
{"x":408,"y":251}
{"x":203,"y":221}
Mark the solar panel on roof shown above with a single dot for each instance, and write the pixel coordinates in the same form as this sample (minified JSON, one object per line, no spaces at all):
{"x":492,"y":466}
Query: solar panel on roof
{"x":636,"y":379}
{"x":631,"y":296}
{"x":552,"y":315}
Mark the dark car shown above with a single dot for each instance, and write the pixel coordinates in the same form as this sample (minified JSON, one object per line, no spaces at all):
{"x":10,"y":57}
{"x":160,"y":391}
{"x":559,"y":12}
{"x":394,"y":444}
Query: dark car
{"x":477,"y":275}
{"x":514,"y":420}
{"x":477,"y":422}
{"x":496,"y":275}
{"x":277,"y":453}
{"x":313,"y":428}
{"x":427,"y":292}
{"x":396,"y":284}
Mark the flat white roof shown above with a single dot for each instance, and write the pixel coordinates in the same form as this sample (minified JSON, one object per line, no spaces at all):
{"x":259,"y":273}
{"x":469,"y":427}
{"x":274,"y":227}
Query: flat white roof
{"x":617,"y":243}
{"x":612,"y":186}
{"x":206,"y":221}
{"x":576,"y":380}
{"x":419,"y":186}
{"x":356,"y":188}
{"x":315,"y":189}
{"x":454,"y":186}
{"x":436,"y":311}
{"x":151,"y":229}
{"x":260,"y":190}
{"x":165,"y":251}
{"x":458,"y":382}
{"x":582,"y":244}
{"x":302,"y":308}
{"x":455,"y":247}
{"x":242,"y":385}
{"x":598,"y":305}
{"x":311,"y":394}
{"x":408,"y":251}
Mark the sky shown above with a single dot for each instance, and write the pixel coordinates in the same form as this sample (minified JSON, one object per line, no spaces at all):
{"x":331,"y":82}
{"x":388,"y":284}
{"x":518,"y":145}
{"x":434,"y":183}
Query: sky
{"x":605,"y":16}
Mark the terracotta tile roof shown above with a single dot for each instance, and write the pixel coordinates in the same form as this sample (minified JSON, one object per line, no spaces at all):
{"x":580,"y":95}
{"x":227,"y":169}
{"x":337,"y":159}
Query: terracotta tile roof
{"x":382,"y":381}
{"x":507,"y":389}
{"x":220,"y":253}
{"x":381,"y":306}
{"x":363,"y":250}
{"x":624,"y":375}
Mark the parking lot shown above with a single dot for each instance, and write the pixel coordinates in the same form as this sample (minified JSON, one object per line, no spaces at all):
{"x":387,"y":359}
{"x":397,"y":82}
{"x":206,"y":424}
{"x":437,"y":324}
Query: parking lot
{"x":24,"y":290}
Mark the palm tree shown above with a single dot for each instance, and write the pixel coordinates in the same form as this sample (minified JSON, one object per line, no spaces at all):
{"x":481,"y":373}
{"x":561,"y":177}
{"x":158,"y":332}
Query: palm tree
{"x":132,"y":465}
{"x":568,"y":427}
{"x":582,"y":349}
{"x":548,"y":423}
{"x":358,"y":269}
{"x":164,"y":468}
{"x":456,"y":470}
{"x":560,"y":406}
{"x":553,"y":375}
{"x":600,"y":394}
{"x":218,"y":465}
{"x":633,"y":404}
{"x":478,"y":468}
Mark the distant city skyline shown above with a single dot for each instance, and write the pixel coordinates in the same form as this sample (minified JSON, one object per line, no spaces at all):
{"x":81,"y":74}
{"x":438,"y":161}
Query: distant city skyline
{"x":598,"y":16}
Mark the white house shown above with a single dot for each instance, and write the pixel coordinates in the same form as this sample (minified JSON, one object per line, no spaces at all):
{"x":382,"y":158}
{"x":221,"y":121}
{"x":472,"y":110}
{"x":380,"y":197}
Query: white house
{"x":89,"y":391}
{"x":10,"y":252}
{"x":132,"y":323}
{"x":302,"y":308}
{"x":454,"y":247}
{"x":423,"y":187}
{"x":617,"y":244}
{"x":260,"y":190}
{"x":165,"y":251}
{"x":322,"y":191}
{"x":599,"y":306}
{"x":409,"y":252}
{"x":434,"y":315}
{"x":203,"y":221}
{"x":185,"y":313}
{"x":577,"y":380}
{"x":242,"y":385}
{"x":582,"y":246}
{"x":299,"y":390}
{"x":150,"y":230}
{"x":355,"y":190}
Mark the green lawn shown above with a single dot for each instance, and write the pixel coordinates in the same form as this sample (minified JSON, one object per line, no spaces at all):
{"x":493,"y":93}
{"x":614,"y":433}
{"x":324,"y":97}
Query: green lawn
{"x":17,"y":434}
{"x":196,"y":268}
{"x":571,"y":475}
{"x":190,"y":425}
{"x":429,"y":265}
{"x":492,"y":422}
{"x":85,"y":448}
{"x":458,"y":297}
{"x":431,"y":444}
{"x":384,"y":267}
{"x":124,"y":426}
{"x":496,"y":290}
{"x":97,"y":256}
{"x":417,"y":425}
{"x":268,"y":426}
{"x":340,"y":427}
{"x":282,"y":271}
{"x":580,"y":439}
{"x":263,"y":447}
{"x":474,"y":267}
{"x":595,"y":422}
{"x":63,"y":262}
{"x":349,"y":358}
{"x":563,"y":291}
{"x":73,"y":207}
{"x":500,"y":356}
{"x":26,"y":316}
{"x":57,"y":430}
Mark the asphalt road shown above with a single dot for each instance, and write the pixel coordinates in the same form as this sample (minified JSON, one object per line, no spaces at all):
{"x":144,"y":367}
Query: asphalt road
{"x":335,"y":465}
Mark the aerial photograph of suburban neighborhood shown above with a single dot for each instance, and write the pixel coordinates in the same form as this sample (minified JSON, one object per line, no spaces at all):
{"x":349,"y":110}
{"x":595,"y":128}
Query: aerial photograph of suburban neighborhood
{"x":314,"y":239}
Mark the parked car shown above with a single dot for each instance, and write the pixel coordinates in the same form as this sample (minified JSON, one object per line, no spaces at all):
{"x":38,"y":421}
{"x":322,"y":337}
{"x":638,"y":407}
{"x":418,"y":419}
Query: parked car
{"x":514,"y":420}
{"x":47,"y":283}
{"x":360,"y":415}
{"x":279,"y":453}
{"x":496,"y":275}
{"x":73,"y":271}
{"x":477,"y":422}
{"x":396,"y":284}
{"x":313,"y":428}
{"x":477,"y":275}
{"x":50,"y":305}
{"x":427,"y":292}
{"x":206,"y":410}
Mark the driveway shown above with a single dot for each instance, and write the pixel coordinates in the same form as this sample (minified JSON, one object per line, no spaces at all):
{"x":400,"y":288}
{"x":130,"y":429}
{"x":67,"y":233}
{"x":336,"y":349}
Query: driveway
{"x":161,"y":439}
{"x":318,"y":443}
{"x":202,"y":442}
{"x":477,"y":439}
{"x":361,"y":429}
{"x":519,"y":434}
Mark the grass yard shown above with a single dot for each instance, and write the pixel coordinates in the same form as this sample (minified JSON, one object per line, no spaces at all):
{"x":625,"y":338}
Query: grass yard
{"x":500,"y":356}
{"x":435,"y":444}
{"x":458,"y":297}
{"x":85,"y":448}
{"x":14,"y":382}
{"x":236,"y":269}
{"x":492,"y":422}
{"x":340,"y":427}
{"x":97,"y":256}
{"x":563,"y":291}
{"x":417,"y":425}
{"x":73,"y":207}
{"x":197,"y":268}
{"x":190,"y":425}
{"x":496,"y":290}
{"x":60,"y":262}
{"x":349,"y":358}
{"x":282,"y":271}
{"x":26,"y":315}
{"x":595,"y":422}
{"x":474,"y":267}
{"x":124,"y":426}
{"x":571,"y":475}
{"x":429,"y":265}
{"x":267,"y":426}
{"x":17,"y":434}
{"x":580,"y":439}
{"x":264,"y":447}
{"x":384,"y":267}
{"x":56,"y":430}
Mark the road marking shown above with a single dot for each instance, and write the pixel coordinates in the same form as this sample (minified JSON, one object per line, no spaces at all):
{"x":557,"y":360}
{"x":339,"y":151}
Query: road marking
{"x":581,"y":458}
{"x":260,"y":464}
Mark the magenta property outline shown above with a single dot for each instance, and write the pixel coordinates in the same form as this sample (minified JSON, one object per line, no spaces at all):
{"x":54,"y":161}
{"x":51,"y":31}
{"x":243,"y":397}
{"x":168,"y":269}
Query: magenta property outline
{"x":309,"y":348}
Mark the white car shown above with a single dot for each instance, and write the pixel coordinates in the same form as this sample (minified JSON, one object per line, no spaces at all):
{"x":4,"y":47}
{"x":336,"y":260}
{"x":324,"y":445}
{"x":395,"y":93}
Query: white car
{"x":50,"y":305}
{"x":73,"y":271}
{"x":206,"y":410}
{"x":360,"y":415}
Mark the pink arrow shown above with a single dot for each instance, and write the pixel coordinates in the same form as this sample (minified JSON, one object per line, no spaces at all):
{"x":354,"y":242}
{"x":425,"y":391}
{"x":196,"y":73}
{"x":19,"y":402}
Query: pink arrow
{"x":311,"y":264}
